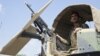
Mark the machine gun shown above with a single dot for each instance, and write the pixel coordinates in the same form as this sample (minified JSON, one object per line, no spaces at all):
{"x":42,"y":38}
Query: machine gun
{"x":47,"y":35}
{"x":40,"y":24}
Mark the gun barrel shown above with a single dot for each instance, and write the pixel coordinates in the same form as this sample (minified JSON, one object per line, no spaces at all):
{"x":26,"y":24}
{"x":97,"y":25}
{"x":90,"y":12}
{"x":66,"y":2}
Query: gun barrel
{"x":29,"y":7}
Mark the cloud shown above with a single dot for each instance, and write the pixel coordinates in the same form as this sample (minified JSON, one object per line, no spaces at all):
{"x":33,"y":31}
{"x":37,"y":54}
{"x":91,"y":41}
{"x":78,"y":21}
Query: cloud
{"x":0,"y":7}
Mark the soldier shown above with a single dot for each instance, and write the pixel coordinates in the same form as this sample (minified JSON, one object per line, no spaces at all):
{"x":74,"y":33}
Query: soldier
{"x":76,"y":26}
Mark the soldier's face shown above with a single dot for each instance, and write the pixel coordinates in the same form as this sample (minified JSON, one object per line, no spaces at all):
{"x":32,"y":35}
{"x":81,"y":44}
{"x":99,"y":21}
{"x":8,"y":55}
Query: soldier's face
{"x":74,"y":18}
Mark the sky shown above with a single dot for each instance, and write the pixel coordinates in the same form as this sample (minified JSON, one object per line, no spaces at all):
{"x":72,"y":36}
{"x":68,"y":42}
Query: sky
{"x":14,"y":15}
{"x":0,"y":7}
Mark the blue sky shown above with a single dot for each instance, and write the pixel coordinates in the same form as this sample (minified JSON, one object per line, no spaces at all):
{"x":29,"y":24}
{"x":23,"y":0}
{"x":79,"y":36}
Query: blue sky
{"x":14,"y":15}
